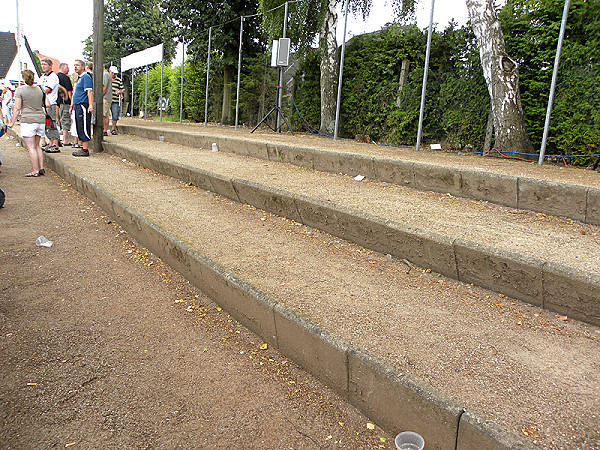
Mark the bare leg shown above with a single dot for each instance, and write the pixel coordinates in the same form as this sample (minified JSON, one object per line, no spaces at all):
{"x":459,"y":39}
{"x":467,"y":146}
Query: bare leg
{"x":33,"y":144}
{"x":39,"y":151}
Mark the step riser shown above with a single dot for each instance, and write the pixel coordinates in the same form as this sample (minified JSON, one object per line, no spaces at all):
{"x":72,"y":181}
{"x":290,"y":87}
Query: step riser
{"x":551,"y":286}
{"x":575,"y":202}
{"x":395,"y":401}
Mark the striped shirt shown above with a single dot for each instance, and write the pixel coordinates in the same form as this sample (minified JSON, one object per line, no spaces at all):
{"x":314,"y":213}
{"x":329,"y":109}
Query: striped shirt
{"x":117,"y":85}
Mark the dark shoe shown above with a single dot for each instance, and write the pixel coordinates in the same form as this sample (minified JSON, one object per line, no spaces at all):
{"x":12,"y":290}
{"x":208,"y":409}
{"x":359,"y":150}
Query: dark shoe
{"x":81,"y":153}
{"x":42,"y":172}
{"x":114,"y":132}
{"x":52,"y":149}
{"x":59,"y":144}
{"x":37,"y":174}
{"x":105,"y":133}
{"x":76,"y":146}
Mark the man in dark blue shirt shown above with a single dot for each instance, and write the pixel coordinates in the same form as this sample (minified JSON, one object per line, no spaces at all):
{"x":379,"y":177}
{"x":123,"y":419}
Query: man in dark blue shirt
{"x":83,"y":105}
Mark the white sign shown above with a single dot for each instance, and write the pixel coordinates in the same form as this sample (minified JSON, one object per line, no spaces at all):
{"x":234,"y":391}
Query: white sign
{"x":145,"y":57}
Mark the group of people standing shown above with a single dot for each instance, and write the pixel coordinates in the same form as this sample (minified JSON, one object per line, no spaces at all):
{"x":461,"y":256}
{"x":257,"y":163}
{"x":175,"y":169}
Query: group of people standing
{"x":57,"y":101}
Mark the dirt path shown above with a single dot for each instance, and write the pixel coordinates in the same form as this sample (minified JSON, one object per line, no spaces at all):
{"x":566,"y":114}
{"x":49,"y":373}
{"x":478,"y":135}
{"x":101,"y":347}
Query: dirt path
{"x":103,"y":346}
{"x":522,"y":367}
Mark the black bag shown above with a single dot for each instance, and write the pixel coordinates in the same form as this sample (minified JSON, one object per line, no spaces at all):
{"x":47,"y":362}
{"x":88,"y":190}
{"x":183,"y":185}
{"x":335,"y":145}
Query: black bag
{"x":49,"y":122}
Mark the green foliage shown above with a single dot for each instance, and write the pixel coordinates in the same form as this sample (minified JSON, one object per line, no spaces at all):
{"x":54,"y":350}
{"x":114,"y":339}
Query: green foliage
{"x":532,"y":30}
{"x":456,"y":103}
{"x":131,"y":26}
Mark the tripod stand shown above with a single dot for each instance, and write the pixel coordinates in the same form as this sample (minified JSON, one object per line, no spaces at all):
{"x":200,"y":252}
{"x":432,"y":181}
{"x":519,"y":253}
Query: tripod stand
{"x":278,"y":113}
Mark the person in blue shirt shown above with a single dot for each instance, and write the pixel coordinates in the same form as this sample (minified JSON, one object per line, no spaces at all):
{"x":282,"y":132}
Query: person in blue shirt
{"x":83,"y":105}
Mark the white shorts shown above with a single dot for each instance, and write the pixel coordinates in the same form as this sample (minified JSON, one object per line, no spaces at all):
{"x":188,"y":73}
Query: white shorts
{"x":33,"y":129}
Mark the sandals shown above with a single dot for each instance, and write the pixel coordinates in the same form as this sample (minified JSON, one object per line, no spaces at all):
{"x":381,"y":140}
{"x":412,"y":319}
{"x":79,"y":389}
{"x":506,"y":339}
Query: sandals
{"x":35,"y":174}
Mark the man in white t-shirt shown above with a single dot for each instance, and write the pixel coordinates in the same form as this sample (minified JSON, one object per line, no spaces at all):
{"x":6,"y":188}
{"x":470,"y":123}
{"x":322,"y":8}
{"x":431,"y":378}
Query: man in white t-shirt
{"x":49,"y":82}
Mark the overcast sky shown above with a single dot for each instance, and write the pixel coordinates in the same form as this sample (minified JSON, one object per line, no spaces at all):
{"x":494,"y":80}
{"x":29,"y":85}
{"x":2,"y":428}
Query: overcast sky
{"x":51,"y":28}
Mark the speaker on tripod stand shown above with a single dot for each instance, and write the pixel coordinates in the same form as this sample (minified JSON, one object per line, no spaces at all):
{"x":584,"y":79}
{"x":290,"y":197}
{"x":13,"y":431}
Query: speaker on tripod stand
{"x":280,"y":58}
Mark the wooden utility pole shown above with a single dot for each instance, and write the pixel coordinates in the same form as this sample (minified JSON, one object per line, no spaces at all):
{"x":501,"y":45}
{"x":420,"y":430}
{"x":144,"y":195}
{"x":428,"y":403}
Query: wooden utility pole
{"x":98,"y":38}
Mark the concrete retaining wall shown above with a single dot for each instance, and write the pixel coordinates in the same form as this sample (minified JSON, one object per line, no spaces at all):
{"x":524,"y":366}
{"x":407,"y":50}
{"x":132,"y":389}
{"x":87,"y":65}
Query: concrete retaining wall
{"x":397,"y":401}
{"x":558,"y":288}
{"x":576,"y":202}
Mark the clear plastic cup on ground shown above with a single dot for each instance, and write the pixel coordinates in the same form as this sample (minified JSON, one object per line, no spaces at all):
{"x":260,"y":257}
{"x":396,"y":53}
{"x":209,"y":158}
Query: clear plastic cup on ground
{"x":409,"y":440}
{"x":43,"y":242}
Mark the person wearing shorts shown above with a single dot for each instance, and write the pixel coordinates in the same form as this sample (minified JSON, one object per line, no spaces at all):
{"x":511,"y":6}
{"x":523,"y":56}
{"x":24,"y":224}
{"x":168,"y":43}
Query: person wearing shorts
{"x":64,"y":101}
{"x":106,"y":99}
{"x":117,"y":93}
{"x":49,"y":82}
{"x":29,"y":100}
{"x":83,"y":105}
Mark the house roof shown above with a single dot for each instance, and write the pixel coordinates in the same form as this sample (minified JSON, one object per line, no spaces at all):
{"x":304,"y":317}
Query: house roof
{"x":8,"y":51}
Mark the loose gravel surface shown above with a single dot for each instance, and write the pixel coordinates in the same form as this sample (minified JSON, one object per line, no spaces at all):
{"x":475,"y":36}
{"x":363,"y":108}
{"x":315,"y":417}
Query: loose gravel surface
{"x":530,"y":234}
{"x":525,"y":368}
{"x":103,"y":346}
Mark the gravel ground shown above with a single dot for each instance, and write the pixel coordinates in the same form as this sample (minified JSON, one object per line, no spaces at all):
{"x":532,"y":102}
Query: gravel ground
{"x":103,"y":346}
{"x":530,"y":370}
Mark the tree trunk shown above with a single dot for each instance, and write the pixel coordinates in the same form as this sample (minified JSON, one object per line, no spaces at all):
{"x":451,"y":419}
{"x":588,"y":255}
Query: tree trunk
{"x":329,"y":69}
{"x":501,"y":75}
{"x":226,"y":116}
{"x":403,"y":80}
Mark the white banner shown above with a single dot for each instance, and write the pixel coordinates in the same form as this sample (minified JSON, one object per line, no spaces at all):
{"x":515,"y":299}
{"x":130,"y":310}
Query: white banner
{"x":145,"y":57}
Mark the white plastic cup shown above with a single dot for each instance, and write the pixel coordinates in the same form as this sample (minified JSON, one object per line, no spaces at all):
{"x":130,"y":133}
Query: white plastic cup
{"x":214,"y":147}
{"x":409,"y":440}
{"x":43,"y":242}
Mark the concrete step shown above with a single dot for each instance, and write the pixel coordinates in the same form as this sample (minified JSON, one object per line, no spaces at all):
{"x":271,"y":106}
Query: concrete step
{"x":556,"y":190}
{"x":412,"y":350}
{"x":548,"y":262}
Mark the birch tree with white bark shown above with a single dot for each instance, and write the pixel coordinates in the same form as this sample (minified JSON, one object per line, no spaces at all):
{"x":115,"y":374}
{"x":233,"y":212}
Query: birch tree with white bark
{"x":501,"y":74}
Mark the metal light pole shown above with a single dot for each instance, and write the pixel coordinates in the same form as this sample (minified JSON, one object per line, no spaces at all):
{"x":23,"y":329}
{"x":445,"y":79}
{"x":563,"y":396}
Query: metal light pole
{"x":19,"y":44}
{"x":237,"y":97}
{"x":207,"y":76}
{"x":424,"y":89}
{"x":561,"y":36}
{"x":280,"y":82}
{"x":181,"y":93}
{"x":339,"y":94}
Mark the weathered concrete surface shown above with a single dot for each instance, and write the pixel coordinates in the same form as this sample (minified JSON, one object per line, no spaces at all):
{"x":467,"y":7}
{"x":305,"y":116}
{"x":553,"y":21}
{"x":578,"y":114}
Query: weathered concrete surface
{"x":477,"y":433}
{"x":394,"y":400}
{"x":510,"y":187}
{"x":513,"y":274}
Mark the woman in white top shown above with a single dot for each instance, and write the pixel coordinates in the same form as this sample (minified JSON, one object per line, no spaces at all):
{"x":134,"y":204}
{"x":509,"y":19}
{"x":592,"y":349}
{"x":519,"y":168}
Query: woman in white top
{"x":29,"y":101}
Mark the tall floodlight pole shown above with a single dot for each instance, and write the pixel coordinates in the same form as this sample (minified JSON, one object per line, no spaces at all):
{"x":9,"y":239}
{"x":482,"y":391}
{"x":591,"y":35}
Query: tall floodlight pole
{"x":181,"y":90}
{"x":339,"y":93}
{"x":98,"y":74}
{"x":424,"y":89}
{"x":19,"y":43}
{"x":280,"y":68}
{"x":146,"y":97}
{"x":207,"y":76}
{"x":132,"y":77}
{"x":561,"y":36}
{"x":237,"y":97}
{"x":162,"y":66}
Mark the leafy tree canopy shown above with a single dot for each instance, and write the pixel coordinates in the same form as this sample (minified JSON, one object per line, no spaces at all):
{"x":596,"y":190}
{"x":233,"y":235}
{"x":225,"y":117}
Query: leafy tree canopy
{"x":132,"y":26}
{"x":193,"y":18}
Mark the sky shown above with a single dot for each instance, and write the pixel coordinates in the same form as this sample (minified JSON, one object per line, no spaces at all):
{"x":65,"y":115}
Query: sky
{"x":53,"y":32}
